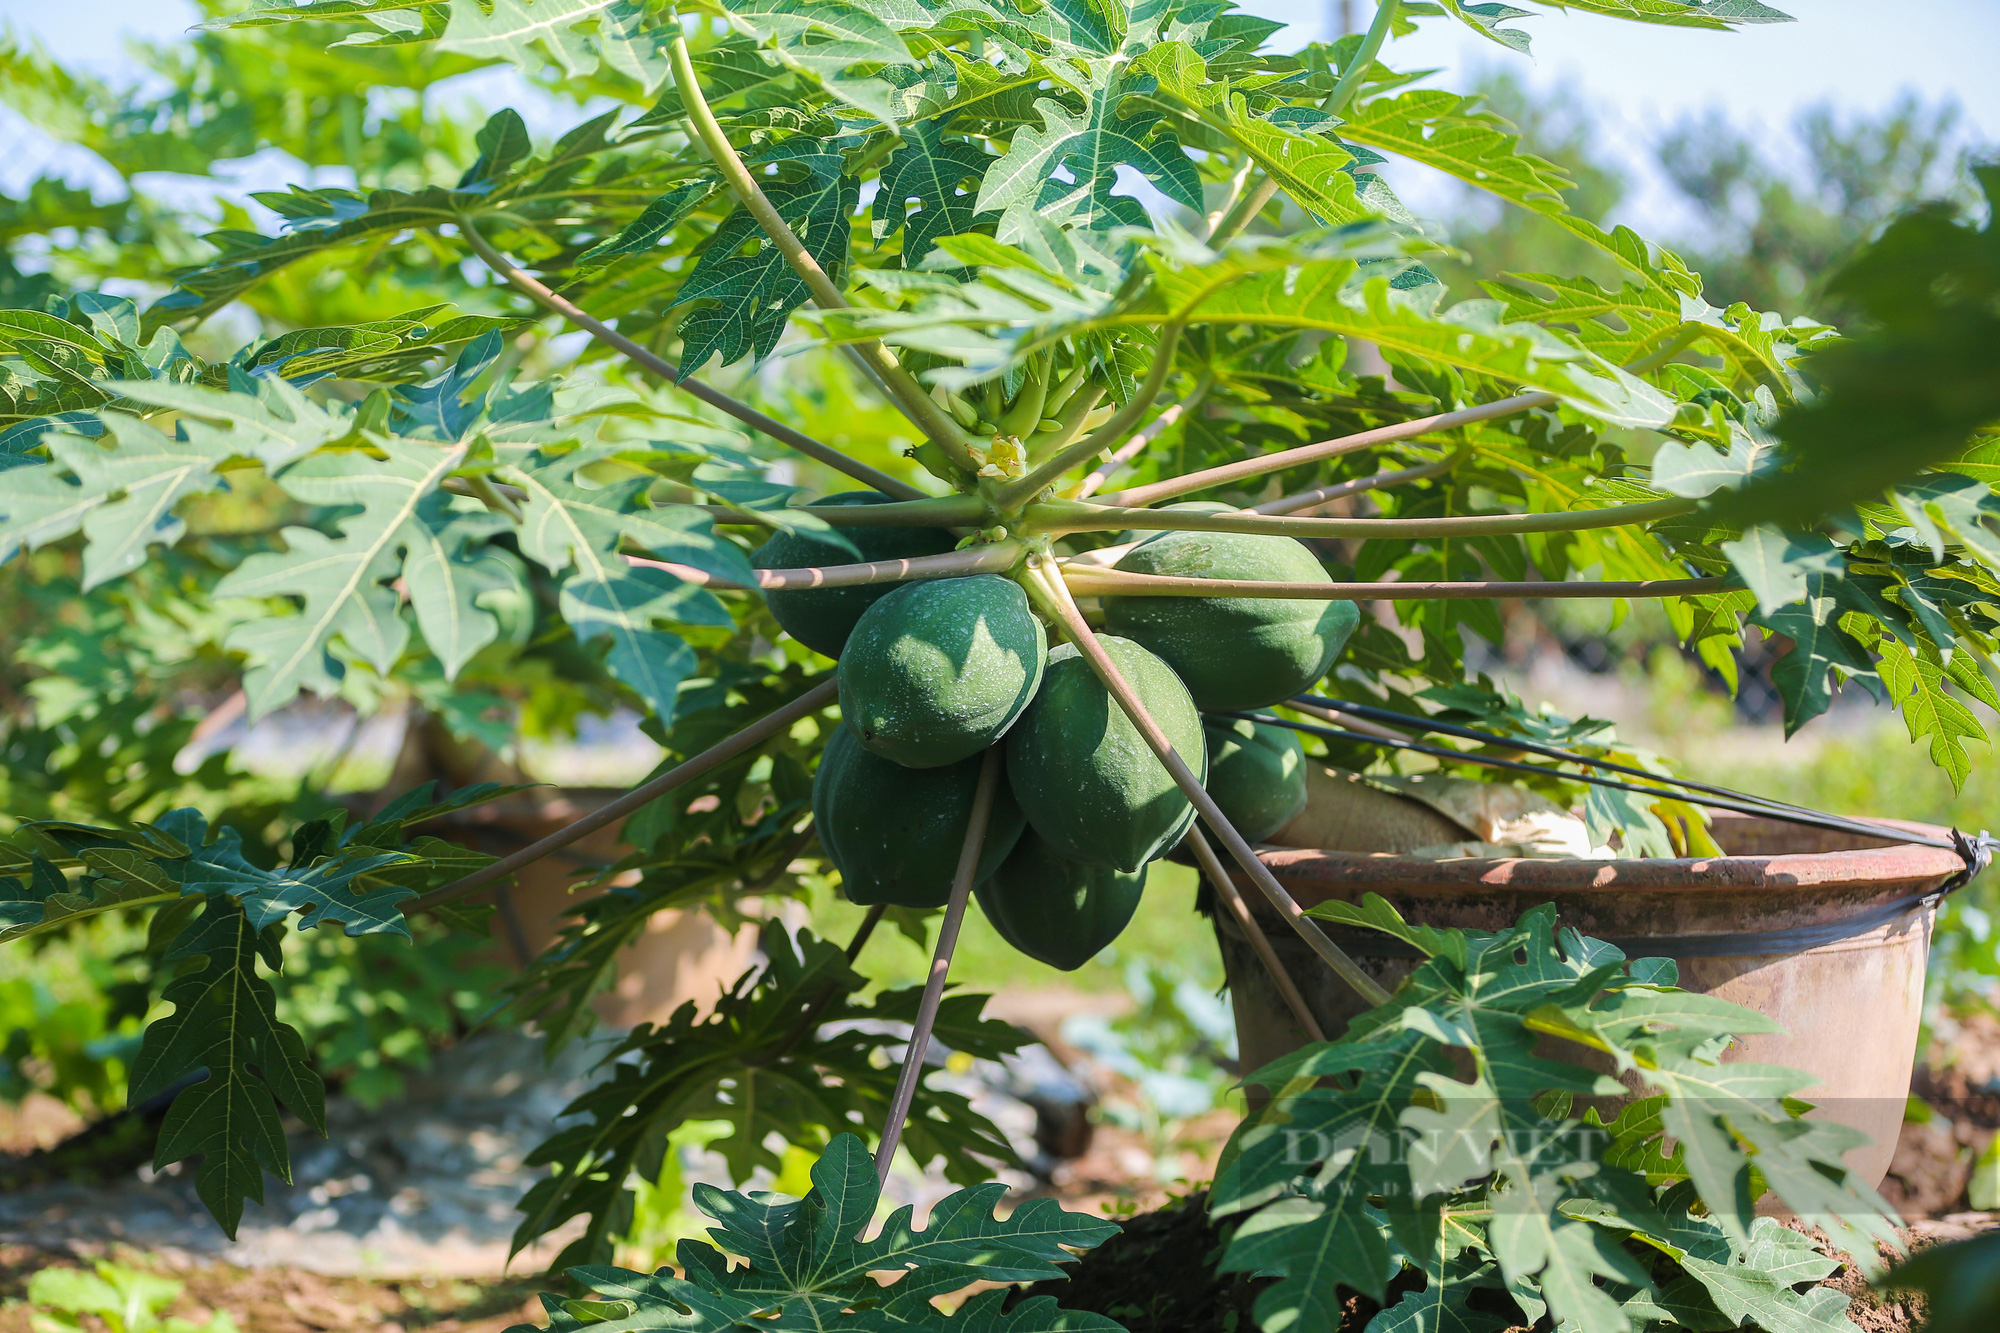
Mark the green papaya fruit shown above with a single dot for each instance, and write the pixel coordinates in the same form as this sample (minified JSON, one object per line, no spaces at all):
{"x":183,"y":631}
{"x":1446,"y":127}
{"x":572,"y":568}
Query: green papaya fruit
{"x":894,"y":833}
{"x":1233,"y":652}
{"x":939,"y":670}
{"x":1256,"y":773}
{"x":1055,"y":910}
{"x":1084,"y":775}
{"x":822,"y":618}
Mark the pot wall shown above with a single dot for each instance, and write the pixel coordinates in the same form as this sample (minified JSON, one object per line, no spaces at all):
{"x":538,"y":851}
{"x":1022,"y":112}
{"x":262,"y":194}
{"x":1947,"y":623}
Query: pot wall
{"x":1850,"y":1006}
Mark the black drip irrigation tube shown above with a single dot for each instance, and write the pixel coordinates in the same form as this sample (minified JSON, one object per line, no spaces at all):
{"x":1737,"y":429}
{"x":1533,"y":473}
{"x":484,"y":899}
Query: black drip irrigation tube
{"x":1976,"y":851}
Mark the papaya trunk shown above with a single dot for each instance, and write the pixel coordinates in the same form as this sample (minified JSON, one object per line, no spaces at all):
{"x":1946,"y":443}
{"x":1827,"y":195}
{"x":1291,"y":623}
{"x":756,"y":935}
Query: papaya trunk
{"x":818,"y":697}
{"x":947,"y":941}
{"x":1225,"y":889}
{"x":1057,"y":597}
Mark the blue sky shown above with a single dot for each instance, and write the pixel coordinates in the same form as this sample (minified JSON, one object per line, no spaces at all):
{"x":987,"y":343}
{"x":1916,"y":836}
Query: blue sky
{"x":1859,"y":54}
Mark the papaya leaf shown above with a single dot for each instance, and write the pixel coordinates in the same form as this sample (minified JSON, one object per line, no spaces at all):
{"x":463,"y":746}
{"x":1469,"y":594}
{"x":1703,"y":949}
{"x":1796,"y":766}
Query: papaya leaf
{"x":317,"y":221}
{"x":122,"y":496}
{"x":574,"y":531}
{"x":754,"y":294}
{"x":930,"y":171}
{"x":1315,"y":171}
{"x":577,"y":36}
{"x":830,"y":40}
{"x":1823,"y":650}
{"x":1379,"y":1152}
{"x":659,"y":220}
{"x":750,"y":1062}
{"x":1916,"y":682}
{"x":809,"y":1269}
{"x":1450,"y":132}
{"x":269,"y":419}
{"x":1697,"y":470}
{"x":342,"y":581}
{"x":224,"y":1030}
{"x":1777,"y":565}
{"x":1061,"y":172}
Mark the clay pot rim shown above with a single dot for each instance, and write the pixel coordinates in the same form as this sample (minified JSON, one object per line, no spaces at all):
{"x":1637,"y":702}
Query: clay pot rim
{"x":1864,"y":868}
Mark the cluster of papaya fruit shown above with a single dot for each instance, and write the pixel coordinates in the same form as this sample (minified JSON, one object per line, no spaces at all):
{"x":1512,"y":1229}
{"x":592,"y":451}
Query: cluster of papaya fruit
{"x":933,"y":673}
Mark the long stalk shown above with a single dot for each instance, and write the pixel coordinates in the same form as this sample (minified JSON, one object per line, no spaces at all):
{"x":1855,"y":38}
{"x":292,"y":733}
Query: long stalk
{"x":1135,"y":446}
{"x":1349,"y":82}
{"x":1324,"y":495}
{"x":1311,"y":453}
{"x":1091,"y":581}
{"x":1055,"y":597}
{"x":1245,"y":208}
{"x":947,"y":941}
{"x":933,"y":511}
{"x":1237,"y":181}
{"x":1141,"y":402}
{"x":977,"y":560}
{"x":1055,"y":516}
{"x":932,"y":420}
{"x":1260,"y":944}
{"x":1125,"y":453}
{"x":541,"y":295}
{"x":814,"y":699}
{"x":1069,"y":422}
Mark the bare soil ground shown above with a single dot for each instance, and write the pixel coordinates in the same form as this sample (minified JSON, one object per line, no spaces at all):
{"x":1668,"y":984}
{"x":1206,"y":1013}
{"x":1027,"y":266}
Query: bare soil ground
{"x":292,"y":1300}
{"x":1155,"y":1276}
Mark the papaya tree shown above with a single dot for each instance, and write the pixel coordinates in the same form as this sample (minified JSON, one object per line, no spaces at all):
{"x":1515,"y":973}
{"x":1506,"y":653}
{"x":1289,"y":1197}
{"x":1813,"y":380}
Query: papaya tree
{"x":1070,"y":263}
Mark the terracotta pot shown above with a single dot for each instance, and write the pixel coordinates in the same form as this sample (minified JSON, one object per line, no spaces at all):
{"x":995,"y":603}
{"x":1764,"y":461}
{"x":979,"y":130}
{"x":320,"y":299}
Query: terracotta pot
{"x":1824,"y":932}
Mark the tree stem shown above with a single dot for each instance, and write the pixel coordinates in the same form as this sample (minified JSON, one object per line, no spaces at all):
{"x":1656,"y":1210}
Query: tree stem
{"x":1310,"y":453}
{"x":1313,"y":499}
{"x":1055,"y":597}
{"x":668,"y":371}
{"x":932,"y":511}
{"x":814,"y":699}
{"x":947,"y":941}
{"x":1056,"y":516}
{"x":1349,"y":82}
{"x":1237,"y":182}
{"x":1245,"y":210}
{"x":1260,"y":943}
{"x":1135,"y":446}
{"x":928,"y":417}
{"x":993,"y":559}
{"x":1092,"y":581}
